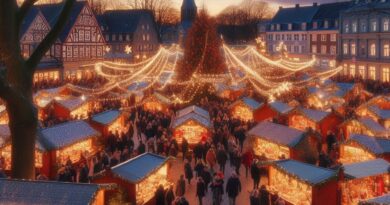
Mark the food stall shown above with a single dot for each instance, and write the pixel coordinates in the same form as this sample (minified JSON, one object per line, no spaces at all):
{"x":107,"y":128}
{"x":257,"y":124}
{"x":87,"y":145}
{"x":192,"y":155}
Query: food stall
{"x":110,"y":121}
{"x":364,"y":180}
{"x":157,"y":102}
{"x":244,"y":109}
{"x":139,"y":177}
{"x":302,"y":184}
{"x":275,"y":110}
{"x":359,"y":148}
{"x":320,"y":121}
{"x":275,"y":141}
{"x":72,"y":141}
{"x":192,"y":123}
{"x":72,"y":107}
{"x":322,"y":100}
{"x":363,"y":125}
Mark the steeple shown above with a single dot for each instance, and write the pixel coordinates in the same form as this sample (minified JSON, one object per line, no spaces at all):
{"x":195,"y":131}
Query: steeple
{"x":188,"y":10}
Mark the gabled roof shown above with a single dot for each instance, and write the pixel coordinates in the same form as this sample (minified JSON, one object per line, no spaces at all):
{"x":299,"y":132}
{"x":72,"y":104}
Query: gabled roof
{"x":138,"y":168}
{"x":46,"y":192}
{"x":345,"y":86}
{"x":331,"y":10}
{"x":71,"y":103}
{"x":52,"y":12}
{"x":277,"y":133}
{"x":315,"y":115}
{"x":253,"y":104}
{"x":381,"y":200}
{"x":137,"y":86}
{"x":193,"y":109}
{"x":122,"y":21}
{"x":161,"y":98}
{"x":289,"y":15}
{"x":374,"y":126}
{"x":366,"y":169}
{"x":377,"y":146}
{"x":280,"y":107}
{"x":308,"y":173}
{"x":66,"y":134}
{"x":364,"y":6}
{"x":191,"y":116}
{"x":28,"y":19}
{"x":382,"y":114}
{"x":106,"y":117}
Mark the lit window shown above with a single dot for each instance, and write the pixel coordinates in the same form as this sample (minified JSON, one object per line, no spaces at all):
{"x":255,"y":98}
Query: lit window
{"x":323,"y":37}
{"x":326,"y":24}
{"x":386,"y":75}
{"x":346,"y":28}
{"x":386,"y":50}
{"x":373,"y":25}
{"x":353,"y":49}
{"x":333,"y":37}
{"x":314,"y":37}
{"x":345,"y":48}
{"x":386,"y":25}
{"x":362,"y":71}
{"x":354,"y":27}
{"x":352,"y":70}
{"x":372,"y":49}
{"x":289,"y":26}
{"x":372,"y":73}
{"x":314,"y":49}
{"x":323,"y":49}
{"x":333,"y":50}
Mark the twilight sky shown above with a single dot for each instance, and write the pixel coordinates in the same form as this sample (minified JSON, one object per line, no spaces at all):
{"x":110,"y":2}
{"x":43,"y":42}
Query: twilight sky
{"x":215,"y":6}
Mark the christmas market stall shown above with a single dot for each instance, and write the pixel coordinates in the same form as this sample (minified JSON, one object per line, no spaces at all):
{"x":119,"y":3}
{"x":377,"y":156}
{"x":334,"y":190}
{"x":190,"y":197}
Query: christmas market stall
{"x":380,"y":200}
{"x":71,"y":141}
{"x":14,"y":191}
{"x":275,"y":110}
{"x":157,"y":102}
{"x":275,"y":141}
{"x":303,"y":184}
{"x":110,"y":121}
{"x":5,"y":149}
{"x":360,"y":148}
{"x":192,"y":123}
{"x":322,"y":100}
{"x":364,"y":180}
{"x":43,"y":99}
{"x":138,"y":177}
{"x":72,"y":108}
{"x":244,"y":109}
{"x":3,"y":115}
{"x":363,"y":125}
{"x":320,"y":121}
{"x":231,"y":92}
{"x":381,"y":116}
{"x":348,"y":91}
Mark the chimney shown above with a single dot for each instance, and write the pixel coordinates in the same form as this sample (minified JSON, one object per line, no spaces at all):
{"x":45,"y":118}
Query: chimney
{"x":315,"y":4}
{"x":296,"y":5}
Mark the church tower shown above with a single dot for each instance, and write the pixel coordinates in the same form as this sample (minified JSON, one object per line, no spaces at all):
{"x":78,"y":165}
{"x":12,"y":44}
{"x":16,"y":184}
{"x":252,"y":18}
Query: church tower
{"x":188,"y":11}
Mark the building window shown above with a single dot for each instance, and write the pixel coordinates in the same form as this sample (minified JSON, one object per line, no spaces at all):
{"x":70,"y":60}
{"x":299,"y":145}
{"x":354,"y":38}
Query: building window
{"x":333,"y":50}
{"x":304,"y":37}
{"x":373,"y":49}
{"x":303,"y":26}
{"x":346,"y":28}
{"x":147,"y":37}
{"x":372,"y":73}
{"x":323,"y":37}
{"x":326,"y":24}
{"x":69,"y":51}
{"x":353,"y":49}
{"x":87,"y":35}
{"x":386,"y":25}
{"x":363,"y":26}
{"x":323,"y":49}
{"x":314,"y":37}
{"x":315,"y":25}
{"x":75,"y":51}
{"x":373,"y":26}
{"x":278,"y":27}
{"x":362,"y":71}
{"x":81,"y":35}
{"x":386,"y":75}
{"x":386,"y":50}
{"x":127,"y":37}
{"x":314,"y":49}
{"x":296,"y":49}
{"x":120,"y":37}
{"x":352,"y":70}
{"x":113,"y":37}
{"x":277,"y":37}
{"x":333,"y":37}
{"x":354,"y":27}
{"x":345,"y":48}
{"x":282,"y":37}
{"x":289,"y":37}
{"x":290,"y":26}
{"x":147,"y":27}
{"x":107,"y":37}
{"x":296,"y":37}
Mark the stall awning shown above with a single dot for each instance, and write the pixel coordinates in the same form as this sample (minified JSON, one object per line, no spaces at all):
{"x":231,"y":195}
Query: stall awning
{"x":277,"y":133}
{"x":280,"y":107}
{"x":376,"y":146}
{"x":193,"y":109}
{"x":66,"y":134}
{"x":139,"y":168}
{"x":366,"y":169}
{"x":305,"y":172}
{"x":381,"y":200}
{"x":46,"y":192}
{"x":107,"y":117}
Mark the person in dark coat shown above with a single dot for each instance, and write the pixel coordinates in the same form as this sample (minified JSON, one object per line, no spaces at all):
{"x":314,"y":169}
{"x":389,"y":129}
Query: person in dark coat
{"x":255,"y":198}
{"x":200,"y":190}
{"x":255,"y":173}
{"x":180,"y":186}
{"x":264,"y":196}
{"x":184,"y":147}
{"x":221,"y":159}
{"x":188,"y":172}
{"x":182,"y":201}
{"x":199,"y":167}
{"x":83,"y":174}
{"x":169,"y":196}
{"x":141,"y":148}
{"x":237,"y":162}
{"x":206,"y":176}
{"x":217,"y":189}
{"x":160,"y":195}
{"x":233,"y":188}
{"x":198,"y":152}
{"x":330,"y":140}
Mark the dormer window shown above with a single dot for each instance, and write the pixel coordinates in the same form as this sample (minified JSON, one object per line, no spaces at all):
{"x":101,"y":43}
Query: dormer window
{"x":272,"y":27}
{"x":326,"y":24}
{"x":303,"y":26}
{"x":354,"y":27}
{"x":374,"y":26}
{"x":290,"y":26}
{"x":278,"y":27}
{"x":315,"y":25}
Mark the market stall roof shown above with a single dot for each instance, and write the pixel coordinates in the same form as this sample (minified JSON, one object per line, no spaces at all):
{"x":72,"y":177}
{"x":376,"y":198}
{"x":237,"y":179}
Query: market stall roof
{"x":376,"y":146}
{"x":251,"y":103}
{"x":372,"y":125}
{"x":315,"y":115}
{"x":221,"y":87}
{"x":138,"y":168}
{"x":191,"y":116}
{"x":277,"y":133}
{"x":46,"y":192}
{"x":66,"y":134}
{"x":162,"y":98}
{"x":5,"y":138}
{"x":71,"y":103}
{"x":366,"y":169}
{"x":106,"y":117}
{"x":137,"y":86}
{"x":281,"y":107}
{"x":381,"y":200}
{"x":193,"y":109}
{"x":382,"y":114}
{"x":305,"y":172}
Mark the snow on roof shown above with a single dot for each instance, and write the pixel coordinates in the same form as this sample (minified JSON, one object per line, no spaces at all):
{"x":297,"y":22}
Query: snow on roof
{"x":195,"y":109}
{"x":381,"y":200}
{"x":253,"y":104}
{"x":371,"y":143}
{"x":305,"y":172}
{"x":366,"y":169}
{"x":71,"y":103}
{"x":315,"y":115}
{"x":383,"y":114}
{"x":281,"y":107}
{"x":374,"y":126}
{"x":191,"y":116}
{"x":106,"y":117}
{"x":277,"y":133}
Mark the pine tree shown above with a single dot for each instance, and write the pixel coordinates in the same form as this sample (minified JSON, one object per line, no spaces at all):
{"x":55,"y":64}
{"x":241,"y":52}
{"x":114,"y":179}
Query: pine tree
{"x":202,"y":51}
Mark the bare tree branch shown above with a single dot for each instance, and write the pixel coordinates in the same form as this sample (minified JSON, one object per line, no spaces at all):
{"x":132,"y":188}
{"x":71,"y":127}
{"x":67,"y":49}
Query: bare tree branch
{"x":24,"y":8}
{"x":51,"y":37}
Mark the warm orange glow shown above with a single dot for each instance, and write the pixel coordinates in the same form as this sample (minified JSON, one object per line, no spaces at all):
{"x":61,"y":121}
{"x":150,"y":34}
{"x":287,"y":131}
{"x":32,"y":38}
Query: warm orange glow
{"x":270,"y":150}
{"x":81,"y":111}
{"x":153,"y":106}
{"x":357,"y":128}
{"x":362,"y":189}
{"x":302,"y":123}
{"x":75,"y":151}
{"x":191,"y":131}
{"x":353,"y":154}
{"x":242,"y":112}
{"x":6,"y":153}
